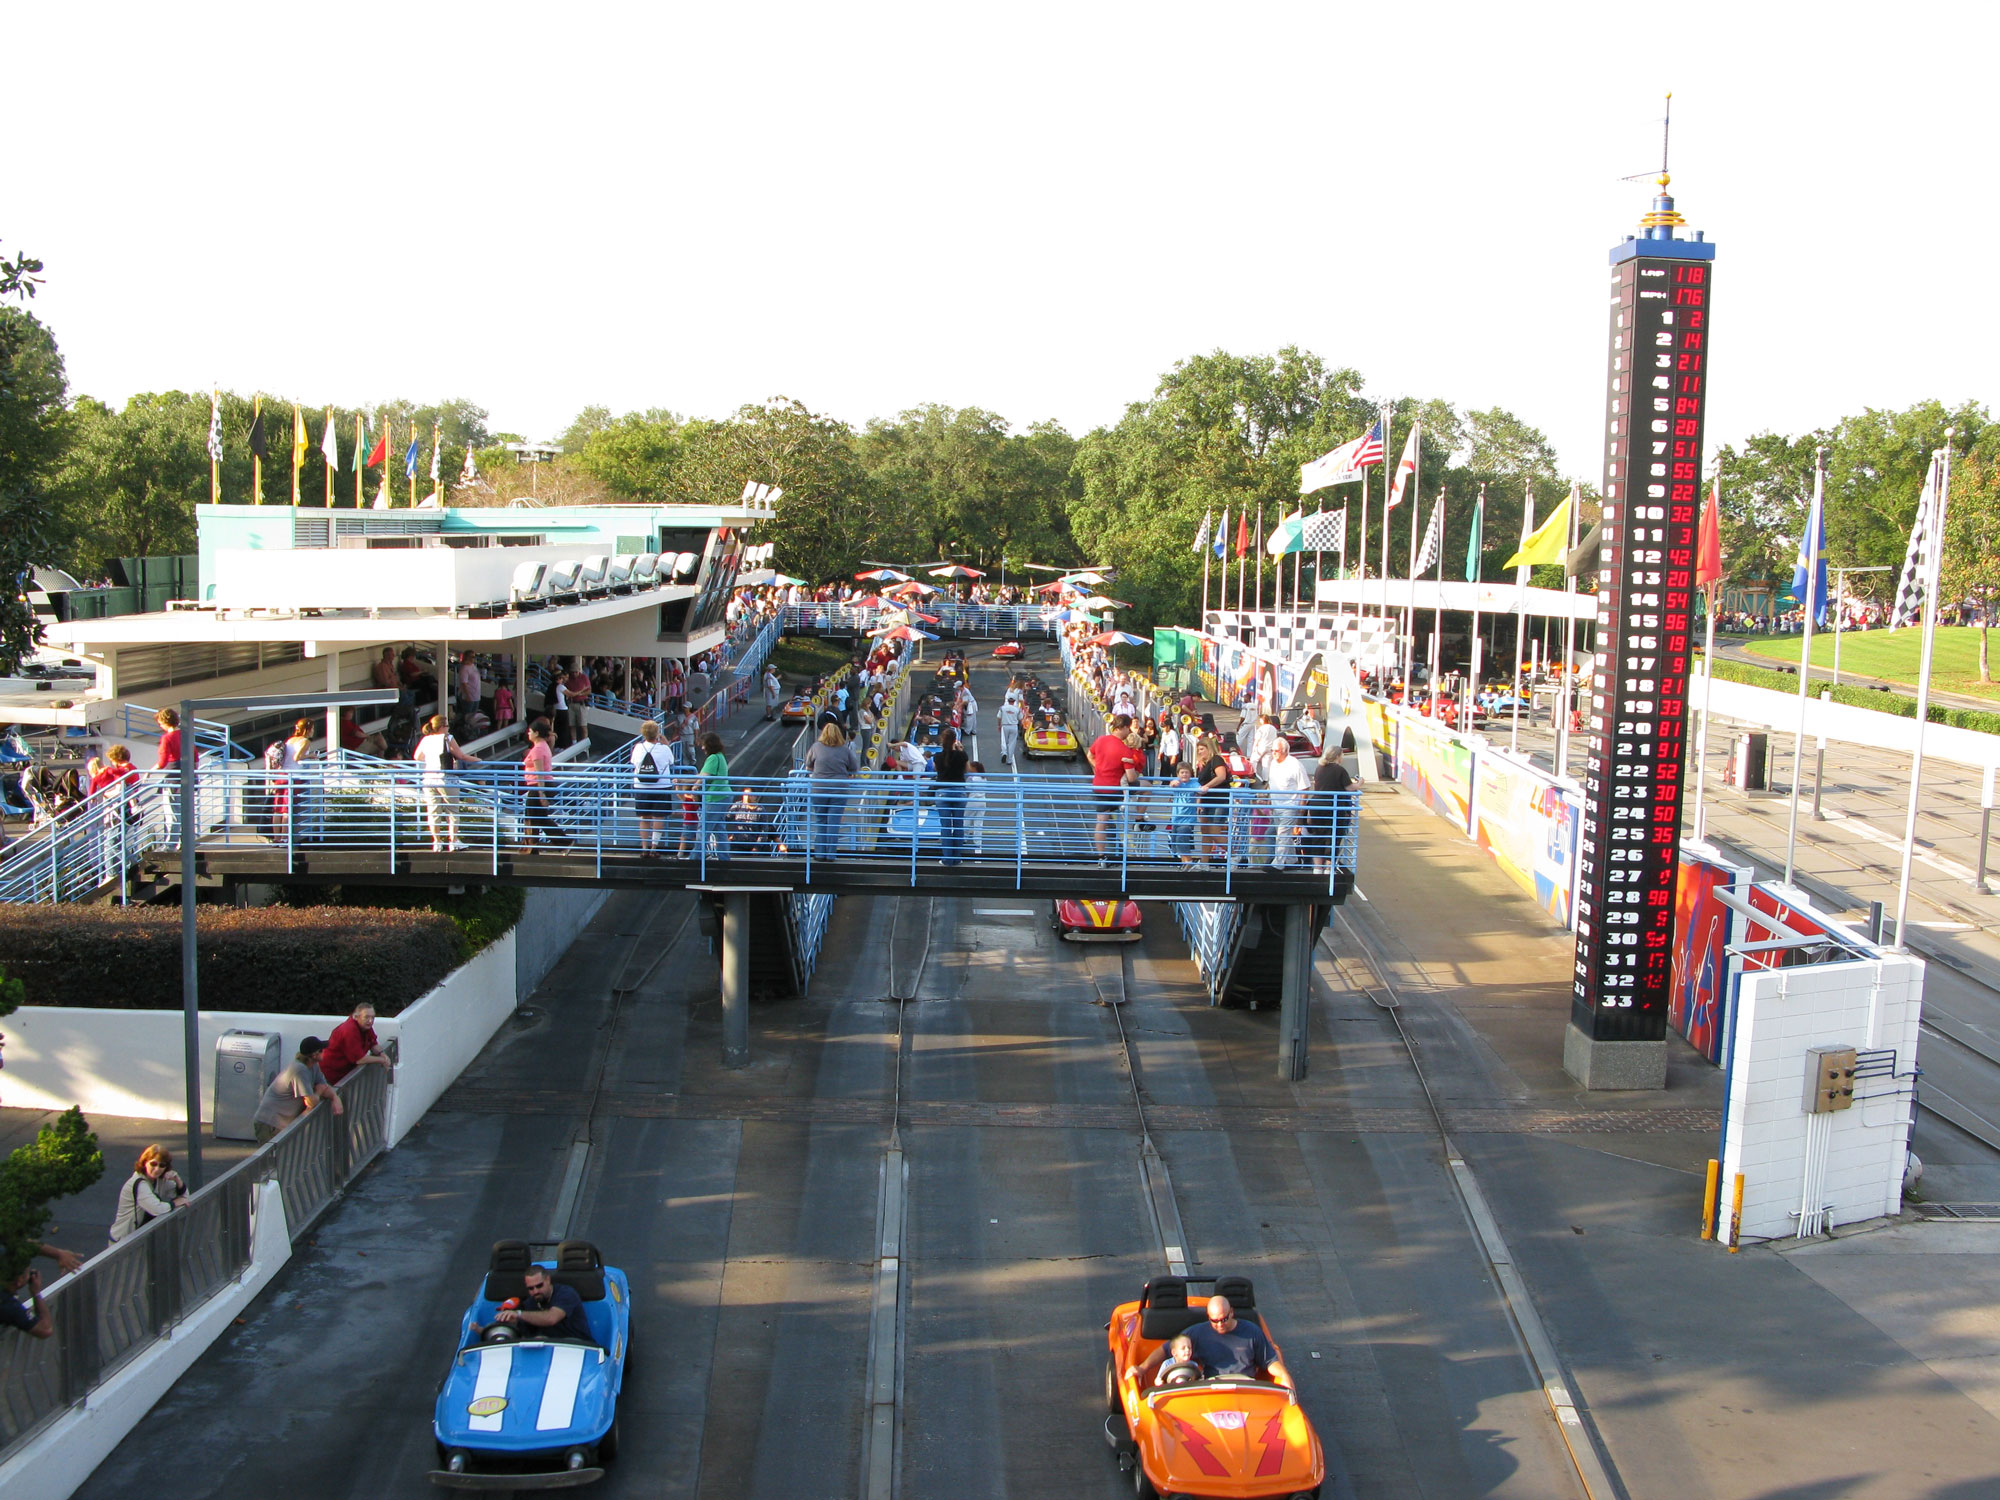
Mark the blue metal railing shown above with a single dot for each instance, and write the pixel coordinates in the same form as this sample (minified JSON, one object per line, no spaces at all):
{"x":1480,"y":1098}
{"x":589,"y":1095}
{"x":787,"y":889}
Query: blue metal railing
{"x":998,"y":621}
{"x":600,"y":811}
{"x":1211,"y":929}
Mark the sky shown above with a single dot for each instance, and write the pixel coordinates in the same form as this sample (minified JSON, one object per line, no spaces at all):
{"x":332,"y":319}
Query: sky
{"x":1032,"y":208}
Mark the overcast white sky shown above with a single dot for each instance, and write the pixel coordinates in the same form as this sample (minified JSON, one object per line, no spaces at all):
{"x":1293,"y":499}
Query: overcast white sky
{"x":1034,"y":208}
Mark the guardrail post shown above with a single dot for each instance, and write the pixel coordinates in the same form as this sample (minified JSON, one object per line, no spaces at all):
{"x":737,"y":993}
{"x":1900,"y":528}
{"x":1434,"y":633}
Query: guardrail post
{"x":163,"y":1273}
{"x":735,"y":979}
{"x":1295,"y":996}
{"x":75,"y":1315}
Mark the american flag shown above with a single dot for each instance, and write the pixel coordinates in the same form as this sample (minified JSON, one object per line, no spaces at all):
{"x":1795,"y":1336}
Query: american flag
{"x":1909,"y":608}
{"x":1344,"y":463}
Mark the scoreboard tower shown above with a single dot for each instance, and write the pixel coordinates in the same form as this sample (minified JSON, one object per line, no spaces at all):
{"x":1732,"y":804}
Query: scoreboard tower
{"x":1658,"y":389}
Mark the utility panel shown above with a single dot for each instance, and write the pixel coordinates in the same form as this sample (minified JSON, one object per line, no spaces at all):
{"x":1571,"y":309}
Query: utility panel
{"x":1829,"y":1079}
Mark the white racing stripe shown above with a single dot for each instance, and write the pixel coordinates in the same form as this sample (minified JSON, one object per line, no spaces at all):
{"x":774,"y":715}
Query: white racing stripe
{"x":559,"y":1390}
{"x":495,"y":1364}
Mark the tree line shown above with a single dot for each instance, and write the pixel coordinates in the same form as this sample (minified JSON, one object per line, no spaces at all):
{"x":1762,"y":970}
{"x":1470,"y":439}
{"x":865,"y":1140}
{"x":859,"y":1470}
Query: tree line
{"x":82,"y":482}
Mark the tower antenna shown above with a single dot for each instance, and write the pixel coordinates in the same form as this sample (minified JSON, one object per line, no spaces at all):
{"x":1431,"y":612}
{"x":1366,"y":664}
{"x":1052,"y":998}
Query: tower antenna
{"x":1666,"y":134}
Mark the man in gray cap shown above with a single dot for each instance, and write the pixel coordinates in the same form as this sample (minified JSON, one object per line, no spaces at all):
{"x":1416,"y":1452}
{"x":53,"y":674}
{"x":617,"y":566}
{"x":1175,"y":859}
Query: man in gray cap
{"x":298,"y":1087}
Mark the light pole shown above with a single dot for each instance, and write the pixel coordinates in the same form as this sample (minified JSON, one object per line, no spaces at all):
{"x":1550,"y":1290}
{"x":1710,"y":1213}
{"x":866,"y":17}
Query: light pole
{"x":1839,"y":591}
{"x":190,"y":980}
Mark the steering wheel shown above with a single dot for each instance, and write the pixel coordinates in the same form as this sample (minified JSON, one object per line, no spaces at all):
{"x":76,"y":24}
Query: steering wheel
{"x":500,"y":1333}
{"x":1180,"y":1372}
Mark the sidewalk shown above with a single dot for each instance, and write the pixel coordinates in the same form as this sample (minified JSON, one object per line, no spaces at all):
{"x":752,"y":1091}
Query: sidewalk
{"x":1858,"y":1366}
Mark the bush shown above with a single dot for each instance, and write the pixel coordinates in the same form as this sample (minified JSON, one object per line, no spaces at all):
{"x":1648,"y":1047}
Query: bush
{"x":1859,"y":697}
{"x":318,"y":961}
{"x":482,"y":915}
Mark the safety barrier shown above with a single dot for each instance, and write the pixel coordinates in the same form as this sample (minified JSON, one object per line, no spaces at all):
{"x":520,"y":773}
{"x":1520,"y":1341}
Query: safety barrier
{"x":1212,"y":929}
{"x":598,"y":816}
{"x":136,"y":1292}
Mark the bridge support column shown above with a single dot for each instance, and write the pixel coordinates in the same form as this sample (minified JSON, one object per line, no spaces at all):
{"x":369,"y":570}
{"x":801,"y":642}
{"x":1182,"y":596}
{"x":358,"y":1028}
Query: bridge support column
{"x":1295,"y":997}
{"x":735,"y":980}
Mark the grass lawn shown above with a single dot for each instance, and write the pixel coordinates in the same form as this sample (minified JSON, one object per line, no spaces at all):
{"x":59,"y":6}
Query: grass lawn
{"x":809,"y":656}
{"x":1892,"y":656}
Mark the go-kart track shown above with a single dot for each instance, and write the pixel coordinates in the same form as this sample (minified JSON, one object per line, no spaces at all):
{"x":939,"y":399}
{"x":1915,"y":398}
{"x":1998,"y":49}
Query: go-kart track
{"x":1021,"y":1077}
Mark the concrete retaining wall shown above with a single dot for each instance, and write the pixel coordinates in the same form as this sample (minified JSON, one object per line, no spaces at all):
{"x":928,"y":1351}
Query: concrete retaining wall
{"x":128,"y":1062}
{"x":552,"y":920}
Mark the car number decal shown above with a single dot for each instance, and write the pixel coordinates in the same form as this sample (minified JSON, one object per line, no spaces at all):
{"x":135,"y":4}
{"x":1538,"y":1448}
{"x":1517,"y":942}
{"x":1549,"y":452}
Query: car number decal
{"x":487,"y":1406}
{"x":1226,"y":1421}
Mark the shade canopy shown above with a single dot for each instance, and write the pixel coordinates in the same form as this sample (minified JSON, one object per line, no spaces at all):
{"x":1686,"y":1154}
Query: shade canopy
{"x":956,"y":570}
{"x":882,"y":575}
{"x":1119,"y":638}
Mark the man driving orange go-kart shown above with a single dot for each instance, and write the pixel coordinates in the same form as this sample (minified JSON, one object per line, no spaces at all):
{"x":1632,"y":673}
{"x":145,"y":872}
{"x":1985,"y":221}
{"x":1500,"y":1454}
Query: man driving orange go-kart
{"x":1217,"y":1416}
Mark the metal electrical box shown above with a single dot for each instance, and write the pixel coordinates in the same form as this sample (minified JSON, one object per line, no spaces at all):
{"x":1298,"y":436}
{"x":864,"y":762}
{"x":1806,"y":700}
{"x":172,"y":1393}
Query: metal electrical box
{"x":1829,"y":1079}
{"x":245,"y":1064}
{"x":1748,"y":762}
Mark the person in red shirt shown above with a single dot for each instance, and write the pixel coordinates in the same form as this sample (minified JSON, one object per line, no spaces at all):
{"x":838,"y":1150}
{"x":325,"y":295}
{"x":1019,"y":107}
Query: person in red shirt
{"x":352,"y":1045}
{"x":117,"y":766}
{"x":1114,"y":760}
{"x":169,"y":720}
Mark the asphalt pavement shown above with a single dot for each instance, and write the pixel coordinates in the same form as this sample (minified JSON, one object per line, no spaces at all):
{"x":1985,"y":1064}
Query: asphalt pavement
{"x":743,"y":1204}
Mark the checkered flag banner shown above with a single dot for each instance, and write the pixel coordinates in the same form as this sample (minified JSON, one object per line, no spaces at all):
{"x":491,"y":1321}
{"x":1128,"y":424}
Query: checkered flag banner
{"x":215,"y":426}
{"x":1433,"y":548}
{"x":1917,"y":561}
{"x":1201,"y":536}
{"x":1325,"y":531}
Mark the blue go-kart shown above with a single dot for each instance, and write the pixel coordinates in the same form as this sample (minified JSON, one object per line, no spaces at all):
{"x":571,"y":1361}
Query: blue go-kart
{"x":525,"y":1409}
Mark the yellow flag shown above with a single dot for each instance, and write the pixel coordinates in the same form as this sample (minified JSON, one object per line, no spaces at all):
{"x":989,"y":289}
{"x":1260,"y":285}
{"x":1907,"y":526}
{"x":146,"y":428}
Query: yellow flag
{"x":299,"y":440}
{"x":1549,"y":543}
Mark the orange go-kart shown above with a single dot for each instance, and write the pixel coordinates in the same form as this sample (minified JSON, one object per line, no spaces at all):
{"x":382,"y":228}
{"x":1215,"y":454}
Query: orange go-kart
{"x":1234,"y":1437}
{"x":1007,"y":650}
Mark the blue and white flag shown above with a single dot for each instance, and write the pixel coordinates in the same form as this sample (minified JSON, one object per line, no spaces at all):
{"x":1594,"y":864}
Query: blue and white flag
{"x":410,"y":459}
{"x":1811,"y":561}
{"x":1222,"y":533}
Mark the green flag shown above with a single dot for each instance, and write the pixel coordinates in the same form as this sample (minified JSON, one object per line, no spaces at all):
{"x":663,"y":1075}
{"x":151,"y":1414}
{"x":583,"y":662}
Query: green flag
{"x":1472,"y":544}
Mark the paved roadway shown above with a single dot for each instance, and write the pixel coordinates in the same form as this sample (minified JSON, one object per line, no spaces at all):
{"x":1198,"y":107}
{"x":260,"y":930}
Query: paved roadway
{"x":744,"y":1206}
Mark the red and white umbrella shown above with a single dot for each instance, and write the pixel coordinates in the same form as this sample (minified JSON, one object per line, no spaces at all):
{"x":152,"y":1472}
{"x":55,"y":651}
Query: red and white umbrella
{"x":956,"y":570}
{"x":1118,"y":638}
{"x":882,"y":575}
{"x":903,"y":633}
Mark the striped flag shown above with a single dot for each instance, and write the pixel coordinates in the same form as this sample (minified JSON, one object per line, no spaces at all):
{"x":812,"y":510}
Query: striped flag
{"x":1344,"y":464}
{"x":1909,"y":607}
{"x":1201,"y":536}
{"x":215,"y":425}
{"x":1405,"y":470}
{"x":1433,"y":547}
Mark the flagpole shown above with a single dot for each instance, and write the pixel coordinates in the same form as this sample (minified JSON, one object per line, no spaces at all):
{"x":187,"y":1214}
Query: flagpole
{"x":330,"y":465}
{"x":1941,"y":463}
{"x":256,"y":459}
{"x":214,"y":463}
{"x":1569,"y":637}
{"x":1364,"y":533}
{"x":1201,"y":621}
{"x":1809,"y":552}
{"x":1259,"y":544}
{"x":1437,"y":614}
{"x":1478,"y":536}
{"x":1410,"y":614}
{"x":298,"y":453}
{"x":1521,"y":610}
{"x":1707,"y":676}
{"x":412,"y":467}
{"x":360,"y":458}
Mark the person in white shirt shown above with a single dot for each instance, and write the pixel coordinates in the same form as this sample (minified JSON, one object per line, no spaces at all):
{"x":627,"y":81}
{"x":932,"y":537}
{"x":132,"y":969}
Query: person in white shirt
{"x":975,"y":807}
{"x":773,"y":686}
{"x":968,"y":726}
{"x":434,"y":752}
{"x":652,"y":775}
{"x":1262,"y":738}
{"x":1010,"y":729}
{"x":1288,"y":783}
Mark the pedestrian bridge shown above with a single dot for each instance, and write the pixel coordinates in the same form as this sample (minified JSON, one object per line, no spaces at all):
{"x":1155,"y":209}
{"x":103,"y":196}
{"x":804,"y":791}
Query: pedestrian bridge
{"x":353,"y":818}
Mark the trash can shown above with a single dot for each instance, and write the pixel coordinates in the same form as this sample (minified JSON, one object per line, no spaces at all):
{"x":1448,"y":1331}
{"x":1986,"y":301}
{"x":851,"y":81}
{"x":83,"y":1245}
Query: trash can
{"x":245,"y":1064}
{"x":1747,"y":765}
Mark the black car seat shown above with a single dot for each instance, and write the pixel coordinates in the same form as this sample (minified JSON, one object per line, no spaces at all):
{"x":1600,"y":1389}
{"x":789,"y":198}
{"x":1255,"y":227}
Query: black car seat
{"x":1166,"y":1311}
{"x":1241,"y":1294}
{"x":579,"y":1265}
{"x":507,"y":1269}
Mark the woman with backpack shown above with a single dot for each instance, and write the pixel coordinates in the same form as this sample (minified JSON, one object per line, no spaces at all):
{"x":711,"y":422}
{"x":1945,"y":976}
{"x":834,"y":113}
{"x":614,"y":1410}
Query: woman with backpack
{"x":437,"y":752}
{"x":153,"y":1191}
{"x":652,"y":770}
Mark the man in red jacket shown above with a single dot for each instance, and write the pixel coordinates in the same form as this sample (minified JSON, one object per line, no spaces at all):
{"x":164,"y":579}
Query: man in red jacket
{"x":1114,"y":761}
{"x":352,"y":1045}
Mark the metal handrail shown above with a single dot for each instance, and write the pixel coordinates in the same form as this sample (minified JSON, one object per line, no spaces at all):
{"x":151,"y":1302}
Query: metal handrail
{"x":133,"y":1294}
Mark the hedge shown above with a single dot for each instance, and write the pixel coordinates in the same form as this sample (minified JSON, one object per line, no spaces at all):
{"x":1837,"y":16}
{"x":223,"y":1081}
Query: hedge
{"x":321,"y":960}
{"x":1859,"y":697}
{"x":482,"y":915}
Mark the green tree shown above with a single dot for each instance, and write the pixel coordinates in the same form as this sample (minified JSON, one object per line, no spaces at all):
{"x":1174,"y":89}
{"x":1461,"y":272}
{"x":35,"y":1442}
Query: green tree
{"x":32,"y":387}
{"x":1970,"y":566}
{"x":61,"y":1160}
{"x":130,"y":479}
